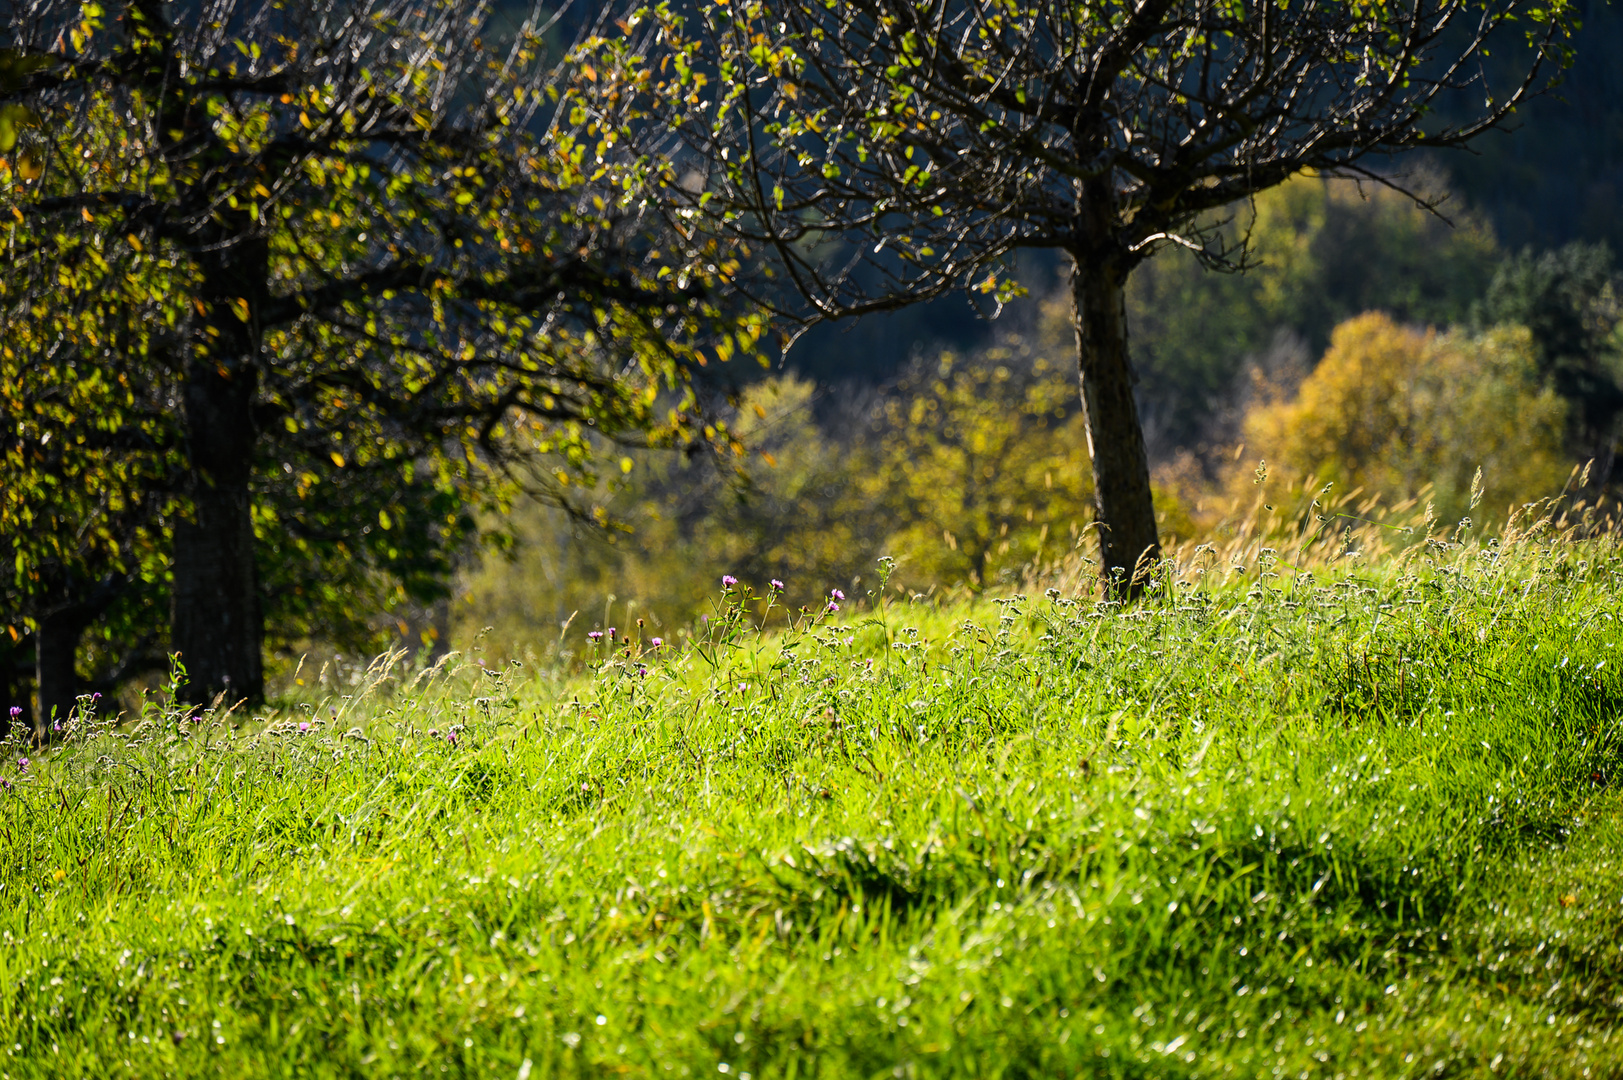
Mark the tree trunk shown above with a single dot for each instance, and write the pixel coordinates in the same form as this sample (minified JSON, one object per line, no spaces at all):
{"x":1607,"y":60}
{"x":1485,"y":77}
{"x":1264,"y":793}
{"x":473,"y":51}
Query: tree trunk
{"x":215,"y":623}
{"x":56,"y":678}
{"x":1125,"y":511}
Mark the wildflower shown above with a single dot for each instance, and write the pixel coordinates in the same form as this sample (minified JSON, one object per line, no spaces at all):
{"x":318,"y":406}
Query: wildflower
{"x":5,"y":783}
{"x":304,"y":727}
{"x":197,"y":719}
{"x":728,"y":581}
{"x":642,"y":671}
{"x":434,"y":733}
{"x":22,"y":764}
{"x":595,"y":635}
{"x":832,"y":607}
{"x":656,"y":642}
{"x":836,"y":594}
{"x":450,"y":737}
{"x":611,"y":633}
{"x":776,"y":585}
{"x":16,"y":711}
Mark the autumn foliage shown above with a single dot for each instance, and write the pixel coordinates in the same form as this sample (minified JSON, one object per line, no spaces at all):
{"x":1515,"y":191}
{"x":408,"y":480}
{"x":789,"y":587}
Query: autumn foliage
{"x":1397,"y":412}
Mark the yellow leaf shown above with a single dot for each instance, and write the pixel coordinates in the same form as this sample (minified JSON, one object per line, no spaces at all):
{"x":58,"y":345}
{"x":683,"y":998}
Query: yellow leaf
{"x":337,"y":459}
{"x":240,"y":306}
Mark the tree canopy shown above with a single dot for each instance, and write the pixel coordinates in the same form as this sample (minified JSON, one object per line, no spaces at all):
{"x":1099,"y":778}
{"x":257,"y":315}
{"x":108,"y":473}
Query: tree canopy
{"x":336,"y":271}
{"x":942,"y":136}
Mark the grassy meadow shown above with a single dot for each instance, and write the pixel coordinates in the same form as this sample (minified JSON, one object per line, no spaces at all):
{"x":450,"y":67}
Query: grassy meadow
{"x":1353,"y":819}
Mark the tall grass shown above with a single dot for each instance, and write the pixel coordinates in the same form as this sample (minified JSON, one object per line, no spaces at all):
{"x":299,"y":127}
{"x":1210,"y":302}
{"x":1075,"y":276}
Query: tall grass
{"x":1343,"y":817}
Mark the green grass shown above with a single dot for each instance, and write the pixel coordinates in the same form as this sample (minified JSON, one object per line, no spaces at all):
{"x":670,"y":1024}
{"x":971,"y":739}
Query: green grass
{"x":1350,"y":824}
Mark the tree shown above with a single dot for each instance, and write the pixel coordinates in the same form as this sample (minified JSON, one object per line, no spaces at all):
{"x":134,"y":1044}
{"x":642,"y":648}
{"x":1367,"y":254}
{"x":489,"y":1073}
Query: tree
{"x":398,"y":283}
{"x":945,"y":134}
{"x":1568,"y":301}
{"x":1323,"y":252}
{"x":969,"y":457}
{"x":88,"y":459}
{"x":1391,"y":411}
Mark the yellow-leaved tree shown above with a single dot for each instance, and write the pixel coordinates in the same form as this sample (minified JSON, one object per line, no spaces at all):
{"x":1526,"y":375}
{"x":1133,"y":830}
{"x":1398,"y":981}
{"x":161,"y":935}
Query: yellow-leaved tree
{"x":1391,"y":409}
{"x":979,"y":458}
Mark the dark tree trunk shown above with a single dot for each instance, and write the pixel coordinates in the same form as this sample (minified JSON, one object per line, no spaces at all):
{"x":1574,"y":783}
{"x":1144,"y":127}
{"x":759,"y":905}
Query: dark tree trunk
{"x":216,"y":623}
{"x":56,"y":677}
{"x":1125,"y":510}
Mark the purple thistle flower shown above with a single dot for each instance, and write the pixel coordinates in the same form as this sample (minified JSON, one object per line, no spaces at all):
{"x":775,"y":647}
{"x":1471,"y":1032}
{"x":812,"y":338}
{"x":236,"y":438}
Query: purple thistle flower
{"x":642,"y":671}
{"x":728,"y":581}
{"x":595,"y":635}
{"x":836,"y":594}
{"x":304,"y":726}
{"x":22,"y":764}
{"x":434,"y":733}
{"x":198,"y":719}
{"x":832,"y":607}
{"x":776,"y":584}
{"x":16,"y":711}
{"x":95,"y":697}
{"x":450,"y":737}
{"x":656,"y":642}
{"x":611,"y":633}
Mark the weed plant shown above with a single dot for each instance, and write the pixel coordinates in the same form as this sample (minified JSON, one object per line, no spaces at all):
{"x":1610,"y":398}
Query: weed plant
{"x":1357,"y":817}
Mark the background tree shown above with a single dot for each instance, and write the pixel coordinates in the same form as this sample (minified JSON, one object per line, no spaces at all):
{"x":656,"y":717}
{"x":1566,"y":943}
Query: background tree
{"x":973,"y":461}
{"x":1568,"y":300}
{"x":1322,"y":251}
{"x":804,"y":507}
{"x":393,"y":265}
{"x":1393,"y":413}
{"x":944,"y":135}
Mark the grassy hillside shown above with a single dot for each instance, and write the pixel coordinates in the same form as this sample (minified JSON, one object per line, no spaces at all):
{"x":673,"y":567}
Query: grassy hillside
{"x":1359,"y":821}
